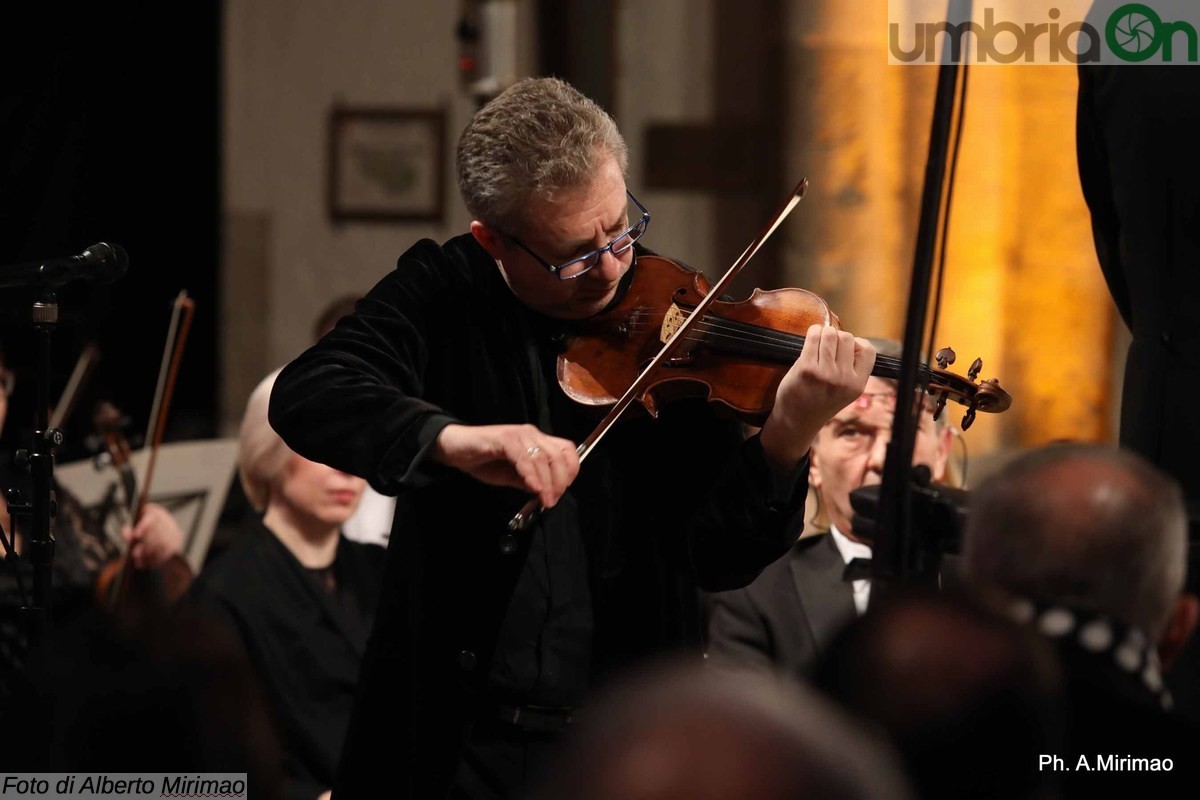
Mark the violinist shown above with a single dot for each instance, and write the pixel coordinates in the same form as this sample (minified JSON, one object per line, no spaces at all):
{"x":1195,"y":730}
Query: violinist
{"x":441,"y":389}
{"x":82,"y":547}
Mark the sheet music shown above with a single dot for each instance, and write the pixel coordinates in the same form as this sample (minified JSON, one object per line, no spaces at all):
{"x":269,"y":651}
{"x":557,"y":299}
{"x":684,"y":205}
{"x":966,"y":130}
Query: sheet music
{"x":191,"y":481}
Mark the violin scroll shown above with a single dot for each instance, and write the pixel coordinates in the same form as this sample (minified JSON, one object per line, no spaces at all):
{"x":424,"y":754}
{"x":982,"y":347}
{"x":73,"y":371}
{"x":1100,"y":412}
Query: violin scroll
{"x":974,"y":394}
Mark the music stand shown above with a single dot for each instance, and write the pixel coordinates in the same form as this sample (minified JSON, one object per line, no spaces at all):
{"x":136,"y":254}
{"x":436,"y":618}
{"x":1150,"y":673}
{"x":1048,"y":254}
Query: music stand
{"x":191,"y":480}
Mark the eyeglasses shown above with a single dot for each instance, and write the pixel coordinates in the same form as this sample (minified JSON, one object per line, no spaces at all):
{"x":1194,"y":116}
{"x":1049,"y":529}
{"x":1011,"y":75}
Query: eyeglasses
{"x":618,"y":246}
{"x":887,"y":401}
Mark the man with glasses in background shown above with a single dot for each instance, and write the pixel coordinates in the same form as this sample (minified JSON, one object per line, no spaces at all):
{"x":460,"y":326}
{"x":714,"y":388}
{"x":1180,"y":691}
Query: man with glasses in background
{"x":789,"y":615}
{"x":441,"y":389}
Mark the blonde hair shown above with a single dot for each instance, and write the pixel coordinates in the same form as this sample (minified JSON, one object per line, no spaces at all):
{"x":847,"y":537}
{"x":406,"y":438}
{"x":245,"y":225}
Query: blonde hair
{"x":262,"y":455}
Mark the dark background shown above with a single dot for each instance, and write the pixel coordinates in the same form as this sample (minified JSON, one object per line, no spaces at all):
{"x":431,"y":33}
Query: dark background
{"x":109,"y":131}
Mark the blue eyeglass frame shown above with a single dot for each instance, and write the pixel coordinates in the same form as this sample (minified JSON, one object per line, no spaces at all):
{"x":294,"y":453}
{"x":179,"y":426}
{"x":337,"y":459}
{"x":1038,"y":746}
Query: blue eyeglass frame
{"x":595,"y":255}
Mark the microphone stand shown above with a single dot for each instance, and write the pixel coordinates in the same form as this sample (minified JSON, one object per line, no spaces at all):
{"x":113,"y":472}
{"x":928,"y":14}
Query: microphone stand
{"x":897,"y":552}
{"x":100,"y":263}
{"x":40,"y":459}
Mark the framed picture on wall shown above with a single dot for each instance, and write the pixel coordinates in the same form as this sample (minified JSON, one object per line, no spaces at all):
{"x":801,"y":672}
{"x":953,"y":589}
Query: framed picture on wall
{"x":386,"y":165}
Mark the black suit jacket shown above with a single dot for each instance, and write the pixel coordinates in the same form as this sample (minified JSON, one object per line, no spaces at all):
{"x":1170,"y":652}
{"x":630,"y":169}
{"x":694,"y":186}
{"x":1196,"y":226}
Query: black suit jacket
{"x":788,"y":615}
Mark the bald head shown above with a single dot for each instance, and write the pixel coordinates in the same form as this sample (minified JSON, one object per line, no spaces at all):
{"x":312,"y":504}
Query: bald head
{"x":969,"y":697}
{"x":694,"y":734}
{"x":1093,"y":528}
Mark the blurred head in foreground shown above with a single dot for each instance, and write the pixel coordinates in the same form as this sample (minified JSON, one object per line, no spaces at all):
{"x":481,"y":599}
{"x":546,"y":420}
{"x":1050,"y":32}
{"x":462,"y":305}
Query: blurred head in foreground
{"x":969,"y":697}
{"x":677,"y":732}
{"x":1090,"y":528}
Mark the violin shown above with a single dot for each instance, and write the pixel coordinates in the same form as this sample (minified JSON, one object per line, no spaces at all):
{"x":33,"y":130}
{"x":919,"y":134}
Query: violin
{"x":735,"y":356}
{"x":670,"y":336}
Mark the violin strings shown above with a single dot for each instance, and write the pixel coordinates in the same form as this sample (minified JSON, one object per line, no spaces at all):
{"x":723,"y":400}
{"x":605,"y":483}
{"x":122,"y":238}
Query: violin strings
{"x":788,"y":342}
{"x":743,"y":332}
{"x":766,"y":346}
{"x":890,"y":364}
{"x":772,"y":343}
{"x":783,"y":344}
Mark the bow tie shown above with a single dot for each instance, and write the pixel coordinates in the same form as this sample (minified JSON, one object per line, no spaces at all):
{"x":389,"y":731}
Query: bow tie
{"x":857,"y":569}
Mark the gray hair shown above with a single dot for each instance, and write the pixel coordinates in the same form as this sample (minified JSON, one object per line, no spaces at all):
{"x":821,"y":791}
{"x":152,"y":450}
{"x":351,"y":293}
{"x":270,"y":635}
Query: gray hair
{"x":262,"y":454}
{"x":539,"y":136}
{"x":1093,"y":528}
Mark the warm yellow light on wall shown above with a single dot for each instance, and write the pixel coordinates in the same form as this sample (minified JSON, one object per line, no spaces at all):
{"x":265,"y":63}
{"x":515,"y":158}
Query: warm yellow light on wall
{"x":1023,"y":282}
{"x":1023,"y":290}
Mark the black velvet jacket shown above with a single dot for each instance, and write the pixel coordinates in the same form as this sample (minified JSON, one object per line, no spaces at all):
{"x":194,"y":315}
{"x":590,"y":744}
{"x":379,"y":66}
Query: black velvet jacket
{"x":661,"y":505}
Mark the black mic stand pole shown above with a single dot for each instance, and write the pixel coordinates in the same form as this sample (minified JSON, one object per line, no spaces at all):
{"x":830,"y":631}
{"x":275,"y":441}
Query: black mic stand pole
{"x":896,"y":553}
{"x":41,"y":465}
{"x":100,"y":263}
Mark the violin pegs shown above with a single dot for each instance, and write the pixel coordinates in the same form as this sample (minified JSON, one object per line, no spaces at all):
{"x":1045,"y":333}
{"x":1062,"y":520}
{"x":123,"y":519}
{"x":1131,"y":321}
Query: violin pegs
{"x":976,"y":366}
{"x":969,"y":418}
{"x":941,"y":406}
{"x":945,"y":357}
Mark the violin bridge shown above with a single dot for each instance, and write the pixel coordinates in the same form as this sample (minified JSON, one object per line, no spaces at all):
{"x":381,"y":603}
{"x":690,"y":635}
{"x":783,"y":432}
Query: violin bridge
{"x":674,"y":318}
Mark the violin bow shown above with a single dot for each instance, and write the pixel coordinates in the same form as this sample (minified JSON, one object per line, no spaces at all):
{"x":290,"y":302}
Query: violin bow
{"x":181,"y":323}
{"x":529,"y":512}
{"x":184,"y":308}
{"x":84,"y":367}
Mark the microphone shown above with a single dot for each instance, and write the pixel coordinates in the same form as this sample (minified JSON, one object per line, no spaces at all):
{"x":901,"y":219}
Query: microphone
{"x":100,"y":263}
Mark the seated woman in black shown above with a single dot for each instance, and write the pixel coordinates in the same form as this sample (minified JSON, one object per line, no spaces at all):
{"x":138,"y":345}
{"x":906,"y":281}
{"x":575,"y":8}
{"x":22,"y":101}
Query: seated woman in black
{"x":300,"y":595}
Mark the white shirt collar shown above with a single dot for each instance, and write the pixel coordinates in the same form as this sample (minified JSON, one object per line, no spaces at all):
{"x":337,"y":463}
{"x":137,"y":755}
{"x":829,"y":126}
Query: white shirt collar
{"x":849,"y":549}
